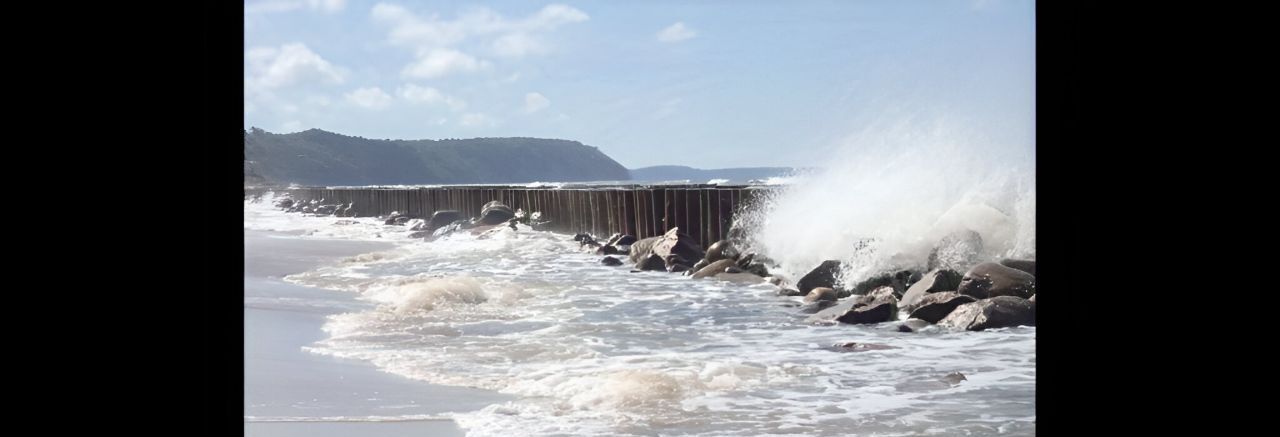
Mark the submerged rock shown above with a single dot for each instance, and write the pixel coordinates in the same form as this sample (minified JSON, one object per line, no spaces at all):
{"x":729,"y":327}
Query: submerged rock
{"x":442,"y":218}
{"x":954,"y":378}
{"x":991,"y":279}
{"x":875,"y":312}
{"x":611,"y":261}
{"x":996,"y":312}
{"x":651,"y":262}
{"x":858,"y":347}
{"x":913,"y":325}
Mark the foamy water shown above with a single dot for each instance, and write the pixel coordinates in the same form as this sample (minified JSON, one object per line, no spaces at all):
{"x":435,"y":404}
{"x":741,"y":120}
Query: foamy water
{"x":596,"y":350}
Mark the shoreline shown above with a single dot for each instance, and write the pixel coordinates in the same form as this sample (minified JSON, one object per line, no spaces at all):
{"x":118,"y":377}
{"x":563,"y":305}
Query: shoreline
{"x":289,"y":391}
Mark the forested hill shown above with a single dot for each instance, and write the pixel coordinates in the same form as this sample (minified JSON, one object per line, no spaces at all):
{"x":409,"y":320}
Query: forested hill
{"x":316,"y":157}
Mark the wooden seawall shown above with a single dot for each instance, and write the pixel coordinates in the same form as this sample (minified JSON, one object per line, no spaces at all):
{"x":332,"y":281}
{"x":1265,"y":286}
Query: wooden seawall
{"x":704,"y":212}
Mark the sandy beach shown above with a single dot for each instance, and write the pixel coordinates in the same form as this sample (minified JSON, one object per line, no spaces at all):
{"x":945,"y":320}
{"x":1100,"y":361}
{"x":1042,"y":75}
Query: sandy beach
{"x":292,"y":392}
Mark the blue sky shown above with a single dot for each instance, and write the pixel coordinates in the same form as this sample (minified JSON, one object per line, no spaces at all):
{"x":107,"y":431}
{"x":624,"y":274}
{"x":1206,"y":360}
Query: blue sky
{"x":708,"y":84}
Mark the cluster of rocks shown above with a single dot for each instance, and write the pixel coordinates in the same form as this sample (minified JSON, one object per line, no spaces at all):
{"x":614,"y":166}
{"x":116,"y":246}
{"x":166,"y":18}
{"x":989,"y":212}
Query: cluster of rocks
{"x":987,"y":295}
{"x":492,"y":215}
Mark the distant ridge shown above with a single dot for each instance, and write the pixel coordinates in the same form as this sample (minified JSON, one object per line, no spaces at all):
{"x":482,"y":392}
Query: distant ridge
{"x":317,"y":157}
{"x":696,"y":175}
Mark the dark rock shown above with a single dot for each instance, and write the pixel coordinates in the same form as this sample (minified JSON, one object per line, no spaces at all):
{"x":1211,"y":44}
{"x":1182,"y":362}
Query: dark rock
{"x":913,"y":325}
{"x":326,"y":209}
{"x":957,"y":251}
{"x":991,"y":279}
{"x":932,"y":282}
{"x":700,"y":265}
{"x":622,"y":240}
{"x":607,"y":250}
{"x":822,"y":276}
{"x":495,"y":213}
{"x":733,"y":269}
{"x":441,"y":219}
{"x":676,"y":243}
{"x":936,"y":306}
{"x":821,"y":294}
{"x":581,"y":237}
{"x":1025,"y":265}
{"x":884,"y":293}
{"x":677,"y":268}
{"x":720,"y":250}
{"x":713,"y":268}
{"x":611,"y":261}
{"x":897,"y":280}
{"x":954,"y":378}
{"x":651,"y":262}
{"x":420,"y":234}
{"x":395,"y":215}
{"x":996,"y":312}
{"x":858,"y":347}
{"x":875,"y":312}
{"x":345,"y":222}
{"x":284,"y":203}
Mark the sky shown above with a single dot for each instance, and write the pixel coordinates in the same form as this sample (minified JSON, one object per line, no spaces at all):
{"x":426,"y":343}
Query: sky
{"x":707,"y":84}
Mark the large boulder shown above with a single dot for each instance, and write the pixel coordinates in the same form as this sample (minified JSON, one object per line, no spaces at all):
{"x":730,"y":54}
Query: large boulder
{"x":996,"y":312}
{"x":496,"y":212}
{"x":932,"y":282}
{"x":675,"y":242}
{"x":720,"y":250}
{"x":936,"y":306}
{"x":991,"y":279}
{"x":1025,"y":265}
{"x":622,"y":240}
{"x":875,"y":312}
{"x":441,"y":219}
{"x":642,"y":248}
{"x":957,"y":251}
{"x":822,"y":276}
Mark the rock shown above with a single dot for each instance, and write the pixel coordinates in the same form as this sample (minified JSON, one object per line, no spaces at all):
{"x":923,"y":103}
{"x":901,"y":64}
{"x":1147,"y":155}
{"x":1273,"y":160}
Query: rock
{"x":607,"y":250}
{"x":932,"y":282}
{"x":996,"y":312}
{"x":651,"y":262}
{"x":858,"y":347}
{"x":991,"y":279}
{"x":875,"y":312}
{"x":913,"y":325}
{"x":611,"y":261}
{"x":821,"y":294}
{"x":720,"y":250}
{"x":884,"y":293}
{"x":326,"y":209}
{"x":676,"y":243}
{"x":391,"y":219}
{"x":747,"y":265}
{"x":622,"y":240}
{"x":677,"y":268}
{"x":495,"y":212}
{"x":936,"y":306}
{"x":700,"y":265}
{"x":581,"y":237}
{"x":442,"y":218}
{"x":643,"y":247}
{"x":739,"y":278}
{"x":733,"y":269}
{"x":713,"y":268}
{"x":1025,"y":265}
{"x":897,"y":280}
{"x":284,"y":203}
{"x":420,"y":234}
{"x":954,"y":378}
{"x":957,"y":251}
{"x":1032,"y":299}
{"x":822,"y":276}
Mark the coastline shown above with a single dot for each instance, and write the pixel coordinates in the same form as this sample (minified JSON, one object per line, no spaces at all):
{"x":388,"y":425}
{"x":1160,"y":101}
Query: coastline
{"x":289,"y":391}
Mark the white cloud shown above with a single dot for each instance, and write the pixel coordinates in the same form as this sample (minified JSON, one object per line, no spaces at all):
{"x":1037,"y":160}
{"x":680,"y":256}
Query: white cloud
{"x":477,"y":120}
{"x":435,"y":42}
{"x":676,"y":33}
{"x":271,"y":67}
{"x":441,"y":62}
{"x":268,"y":6}
{"x":534,"y":102}
{"x":430,"y":96}
{"x":371,"y":97}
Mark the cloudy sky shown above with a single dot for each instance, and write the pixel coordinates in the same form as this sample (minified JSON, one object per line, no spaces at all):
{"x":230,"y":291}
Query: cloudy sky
{"x":708,"y":84}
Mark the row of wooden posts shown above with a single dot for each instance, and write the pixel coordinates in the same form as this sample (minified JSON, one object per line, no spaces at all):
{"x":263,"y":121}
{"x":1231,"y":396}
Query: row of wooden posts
{"x":704,"y":212}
